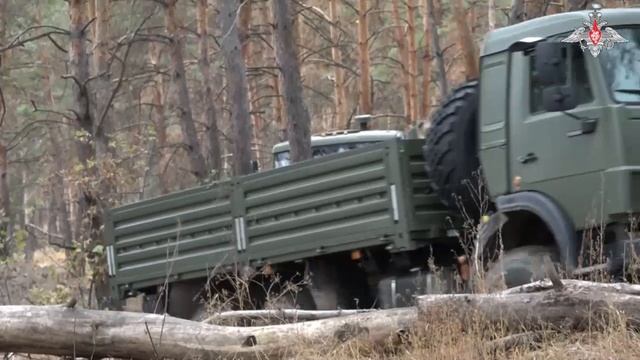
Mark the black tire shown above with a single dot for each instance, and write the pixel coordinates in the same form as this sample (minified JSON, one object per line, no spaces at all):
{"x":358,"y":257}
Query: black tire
{"x":185,"y":298}
{"x":520,"y":266}
{"x":450,"y":149}
{"x":339,"y":284}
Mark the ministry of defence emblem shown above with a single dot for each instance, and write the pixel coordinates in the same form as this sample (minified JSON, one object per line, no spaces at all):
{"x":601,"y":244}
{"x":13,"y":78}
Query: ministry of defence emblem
{"x":593,"y":35}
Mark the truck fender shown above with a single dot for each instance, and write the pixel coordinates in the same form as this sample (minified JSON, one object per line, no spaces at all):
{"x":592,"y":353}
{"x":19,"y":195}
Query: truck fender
{"x":556,"y":219}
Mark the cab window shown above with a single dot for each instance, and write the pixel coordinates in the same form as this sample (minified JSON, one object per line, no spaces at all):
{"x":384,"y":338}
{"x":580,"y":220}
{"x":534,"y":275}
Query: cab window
{"x":576,"y":76}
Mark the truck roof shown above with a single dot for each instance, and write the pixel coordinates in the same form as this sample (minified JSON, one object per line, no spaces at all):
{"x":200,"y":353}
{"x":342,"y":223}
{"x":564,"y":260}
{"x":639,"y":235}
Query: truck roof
{"x":345,"y":137}
{"x":501,"y":39}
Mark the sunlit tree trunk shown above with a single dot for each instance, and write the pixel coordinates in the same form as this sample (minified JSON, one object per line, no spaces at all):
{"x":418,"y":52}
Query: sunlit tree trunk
{"x":364,"y":58}
{"x":210,"y":114}
{"x":237,"y":88}
{"x":465,"y":40}
{"x":298,"y":119}
{"x":183,"y":106}
{"x":336,"y":56}
{"x":426,"y":65}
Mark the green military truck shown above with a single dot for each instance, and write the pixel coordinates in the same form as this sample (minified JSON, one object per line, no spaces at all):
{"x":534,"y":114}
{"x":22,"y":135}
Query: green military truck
{"x":546,"y":138}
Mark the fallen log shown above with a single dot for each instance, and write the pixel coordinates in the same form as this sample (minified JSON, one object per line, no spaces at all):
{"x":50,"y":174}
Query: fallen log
{"x":578,"y":305}
{"x":294,"y":315}
{"x":59,"y":330}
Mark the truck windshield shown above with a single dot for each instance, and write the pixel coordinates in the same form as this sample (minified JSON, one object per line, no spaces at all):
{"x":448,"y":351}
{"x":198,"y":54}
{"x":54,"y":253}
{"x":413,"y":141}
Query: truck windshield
{"x":282,"y":158}
{"x":621,"y":66}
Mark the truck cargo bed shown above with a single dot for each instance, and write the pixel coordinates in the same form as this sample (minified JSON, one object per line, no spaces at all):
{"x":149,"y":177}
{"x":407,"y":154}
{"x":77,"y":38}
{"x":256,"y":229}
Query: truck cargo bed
{"x":373,"y":196}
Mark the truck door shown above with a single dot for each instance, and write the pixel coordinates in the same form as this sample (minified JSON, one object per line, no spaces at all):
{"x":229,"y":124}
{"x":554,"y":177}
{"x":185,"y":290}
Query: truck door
{"x":547,"y":149}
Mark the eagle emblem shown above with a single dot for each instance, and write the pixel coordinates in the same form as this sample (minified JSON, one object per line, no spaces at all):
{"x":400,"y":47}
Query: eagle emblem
{"x":594,"y":36}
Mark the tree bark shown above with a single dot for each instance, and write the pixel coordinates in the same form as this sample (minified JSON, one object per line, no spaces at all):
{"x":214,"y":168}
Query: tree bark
{"x":401,"y":42}
{"x":340,"y":100}
{"x":210,"y":114}
{"x":298,"y":119}
{"x":435,"y":49}
{"x":413,"y":61}
{"x":60,"y":330}
{"x":426,"y":66}
{"x":491,"y":14}
{"x":366,"y":106}
{"x":465,"y":41}
{"x":88,"y":217}
{"x":183,"y":106}
{"x":157,"y":183}
{"x":237,"y":88}
{"x":278,"y":102}
{"x":576,"y":5}
{"x":537,"y":8}
{"x":6,"y":222}
{"x":517,"y":14}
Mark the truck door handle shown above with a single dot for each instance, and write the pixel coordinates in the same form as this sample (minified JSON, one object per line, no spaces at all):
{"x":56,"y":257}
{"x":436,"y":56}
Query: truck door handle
{"x":530,"y":157}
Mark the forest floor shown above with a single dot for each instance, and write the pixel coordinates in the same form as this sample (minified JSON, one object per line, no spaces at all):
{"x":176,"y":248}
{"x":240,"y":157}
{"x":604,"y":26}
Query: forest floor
{"x":48,"y":281}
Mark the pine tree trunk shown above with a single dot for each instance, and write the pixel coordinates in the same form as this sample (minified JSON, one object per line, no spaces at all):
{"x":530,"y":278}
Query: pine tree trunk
{"x":183,"y":106}
{"x":88,"y":221}
{"x":401,"y":42}
{"x":435,"y":49}
{"x":248,"y":49}
{"x":336,"y":56}
{"x":8,"y":245}
{"x":6,"y":222}
{"x":426,"y":65}
{"x":275,"y":80}
{"x":537,"y":8}
{"x":491,"y":14}
{"x":576,"y":5}
{"x":517,"y":14}
{"x":158,"y":156}
{"x":237,"y":87}
{"x":210,"y":115}
{"x":413,"y":61}
{"x":465,"y":41}
{"x":363,"y":58}
{"x":298,"y":119}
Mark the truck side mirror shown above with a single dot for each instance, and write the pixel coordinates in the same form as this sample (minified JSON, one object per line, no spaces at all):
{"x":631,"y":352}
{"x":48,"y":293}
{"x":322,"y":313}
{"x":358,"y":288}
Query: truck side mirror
{"x":550,"y":63}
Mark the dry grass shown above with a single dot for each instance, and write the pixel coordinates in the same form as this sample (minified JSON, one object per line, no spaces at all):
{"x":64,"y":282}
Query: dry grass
{"x":448,"y":341}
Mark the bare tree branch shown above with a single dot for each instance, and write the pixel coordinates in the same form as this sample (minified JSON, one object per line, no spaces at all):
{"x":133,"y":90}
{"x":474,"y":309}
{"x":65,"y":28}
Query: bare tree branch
{"x":16,"y":42}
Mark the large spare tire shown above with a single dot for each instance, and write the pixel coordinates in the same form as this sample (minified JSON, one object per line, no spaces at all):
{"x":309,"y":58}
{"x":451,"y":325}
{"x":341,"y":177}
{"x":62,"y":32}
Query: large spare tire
{"x":450,"y":150}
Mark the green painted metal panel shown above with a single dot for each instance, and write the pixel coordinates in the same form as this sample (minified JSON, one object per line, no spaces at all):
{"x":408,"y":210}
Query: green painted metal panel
{"x":371,"y":196}
{"x":316,"y":206}
{"x":171,"y":234}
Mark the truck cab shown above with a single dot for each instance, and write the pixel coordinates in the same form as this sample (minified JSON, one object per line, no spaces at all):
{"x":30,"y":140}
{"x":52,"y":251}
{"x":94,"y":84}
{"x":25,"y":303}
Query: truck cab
{"x":333,"y":142}
{"x":555,"y":134}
